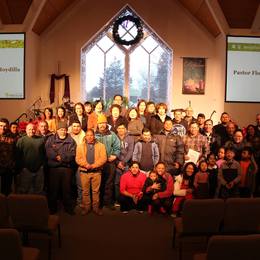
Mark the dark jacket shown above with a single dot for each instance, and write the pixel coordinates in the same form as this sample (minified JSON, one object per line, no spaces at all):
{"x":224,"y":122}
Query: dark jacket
{"x":148,"y":117}
{"x":115,"y":124}
{"x":66,"y":148}
{"x":214,"y":141}
{"x":156,"y":125}
{"x":7,"y":152}
{"x":221,"y":131}
{"x":149,"y":182}
{"x":171,"y":149}
{"x":30,"y":152}
{"x":250,"y":180}
{"x":84,"y":124}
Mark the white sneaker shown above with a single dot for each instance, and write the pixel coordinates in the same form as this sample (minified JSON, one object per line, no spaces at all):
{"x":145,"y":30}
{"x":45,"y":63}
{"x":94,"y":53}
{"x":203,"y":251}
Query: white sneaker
{"x":117,"y":205}
{"x":125,"y":212}
{"x":140,"y":211}
{"x":173,"y":215}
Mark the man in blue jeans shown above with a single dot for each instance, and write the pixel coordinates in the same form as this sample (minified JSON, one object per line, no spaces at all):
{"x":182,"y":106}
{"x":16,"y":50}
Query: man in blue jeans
{"x":112,"y":144}
{"x":124,"y":158}
{"x":78,"y":135}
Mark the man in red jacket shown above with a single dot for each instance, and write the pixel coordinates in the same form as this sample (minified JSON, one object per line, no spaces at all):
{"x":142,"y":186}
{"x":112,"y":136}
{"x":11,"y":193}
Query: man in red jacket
{"x":131,"y":186}
{"x":164,"y":199}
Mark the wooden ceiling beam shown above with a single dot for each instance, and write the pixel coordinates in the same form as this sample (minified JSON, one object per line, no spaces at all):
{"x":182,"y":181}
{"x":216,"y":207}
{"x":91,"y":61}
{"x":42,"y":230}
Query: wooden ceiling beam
{"x":50,"y":11}
{"x":218,"y":16}
{"x":256,"y":23}
{"x":33,"y":13}
{"x":205,"y":17}
{"x":45,"y":18}
{"x":192,"y":5}
{"x":200,"y":10}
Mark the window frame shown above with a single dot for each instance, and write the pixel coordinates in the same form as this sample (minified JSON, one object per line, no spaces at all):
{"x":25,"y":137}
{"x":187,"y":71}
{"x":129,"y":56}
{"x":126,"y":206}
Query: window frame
{"x":106,"y":31}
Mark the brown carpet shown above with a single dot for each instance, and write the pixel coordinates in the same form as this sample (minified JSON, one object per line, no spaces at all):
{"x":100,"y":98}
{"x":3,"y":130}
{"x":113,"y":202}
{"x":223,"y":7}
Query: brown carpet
{"x":113,"y":236}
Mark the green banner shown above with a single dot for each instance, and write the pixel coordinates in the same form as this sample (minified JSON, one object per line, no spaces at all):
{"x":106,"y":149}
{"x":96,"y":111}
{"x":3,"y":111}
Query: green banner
{"x":237,"y":46}
{"x":11,"y":43}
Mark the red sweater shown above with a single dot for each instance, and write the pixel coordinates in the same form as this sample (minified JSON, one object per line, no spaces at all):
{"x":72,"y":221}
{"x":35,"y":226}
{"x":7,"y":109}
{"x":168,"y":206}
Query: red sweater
{"x":169,"y":187}
{"x":132,"y":183}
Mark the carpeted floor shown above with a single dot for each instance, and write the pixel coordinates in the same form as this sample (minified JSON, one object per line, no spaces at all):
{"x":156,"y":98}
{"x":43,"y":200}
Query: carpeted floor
{"x":112,"y":236}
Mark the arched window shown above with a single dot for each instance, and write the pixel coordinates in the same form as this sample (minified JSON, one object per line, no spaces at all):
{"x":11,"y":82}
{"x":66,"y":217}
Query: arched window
{"x":140,"y":71}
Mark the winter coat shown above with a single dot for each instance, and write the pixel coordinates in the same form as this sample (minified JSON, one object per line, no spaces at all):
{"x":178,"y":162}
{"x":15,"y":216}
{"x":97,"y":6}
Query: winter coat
{"x":65,"y":148}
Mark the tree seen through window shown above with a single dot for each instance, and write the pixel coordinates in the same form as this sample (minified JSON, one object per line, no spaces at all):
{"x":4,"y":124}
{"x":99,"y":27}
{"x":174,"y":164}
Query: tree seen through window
{"x":140,"y":71}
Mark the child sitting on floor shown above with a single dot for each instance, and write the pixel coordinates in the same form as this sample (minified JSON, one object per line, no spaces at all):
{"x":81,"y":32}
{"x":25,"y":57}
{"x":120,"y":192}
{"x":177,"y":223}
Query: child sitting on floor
{"x":153,"y":184}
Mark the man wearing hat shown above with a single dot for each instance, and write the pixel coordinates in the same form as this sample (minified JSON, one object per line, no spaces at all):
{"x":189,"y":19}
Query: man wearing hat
{"x":60,"y":152}
{"x":180,"y":126}
{"x":112,"y":144}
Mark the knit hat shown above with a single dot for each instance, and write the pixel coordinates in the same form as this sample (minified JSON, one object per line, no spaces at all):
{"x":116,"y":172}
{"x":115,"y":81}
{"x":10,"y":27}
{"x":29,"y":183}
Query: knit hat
{"x":62,"y":124}
{"x":102,"y":119}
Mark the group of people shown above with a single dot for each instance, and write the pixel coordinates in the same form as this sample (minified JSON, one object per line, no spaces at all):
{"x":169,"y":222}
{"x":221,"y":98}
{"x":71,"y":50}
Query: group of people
{"x":138,"y":158}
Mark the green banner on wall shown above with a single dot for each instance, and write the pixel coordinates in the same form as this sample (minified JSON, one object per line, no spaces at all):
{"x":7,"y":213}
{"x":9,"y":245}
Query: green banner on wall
{"x":11,"y":43}
{"x":237,"y":46}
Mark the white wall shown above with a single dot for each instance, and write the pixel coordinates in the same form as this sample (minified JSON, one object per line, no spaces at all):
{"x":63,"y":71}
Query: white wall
{"x":62,"y":41}
{"x":187,"y":38}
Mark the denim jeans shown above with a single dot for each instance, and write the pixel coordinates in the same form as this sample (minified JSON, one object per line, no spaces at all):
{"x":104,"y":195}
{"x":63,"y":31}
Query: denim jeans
{"x":107,"y":184}
{"x":60,"y":180}
{"x":31,"y":182}
{"x":119,"y":173}
{"x":79,"y":187}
